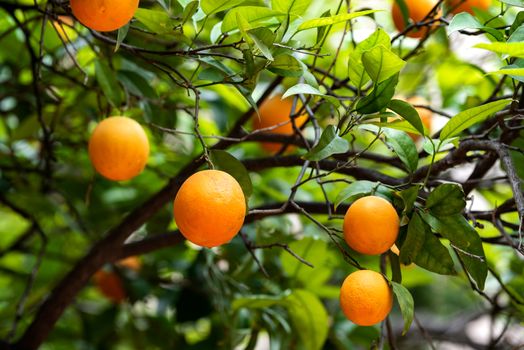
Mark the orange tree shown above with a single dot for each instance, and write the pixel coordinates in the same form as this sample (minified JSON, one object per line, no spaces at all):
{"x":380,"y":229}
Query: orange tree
{"x":189,"y":81}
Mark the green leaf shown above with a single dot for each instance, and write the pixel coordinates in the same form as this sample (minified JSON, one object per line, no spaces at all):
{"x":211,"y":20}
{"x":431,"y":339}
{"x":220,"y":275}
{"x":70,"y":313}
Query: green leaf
{"x":257,"y":302}
{"x":321,"y":31}
{"x":310,"y":79}
{"x":403,"y":146}
{"x":401,"y":125}
{"x":330,"y":143}
{"x":327,"y":21}
{"x":211,"y":74}
{"x":189,"y":11}
{"x":136,"y":84}
{"x":510,"y":49}
{"x":409,"y":197}
{"x":404,"y":10}
{"x":432,"y":145}
{"x":356,"y":72}
{"x":446,"y":199}
{"x":469,"y":117}
{"x":213,"y":6}
{"x":408,"y":112}
{"x":360,"y":189}
{"x":406,"y":303}
{"x":466,"y":21}
{"x":108,"y":83}
{"x":286,"y":66}
{"x":243,"y":27}
{"x":294,"y":7}
{"x":424,"y":249}
{"x":380,"y":63}
{"x":309,"y":318}
{"x":306,"y":89}
{"x":516,"y":27}
{"x":396,"y":273}
{"x":252,"y":14}
{"x":434,"y":256}
{"x":315,"y":251}
{"x":158,"y":22}
{"x":510,"y":70}
{"x":224,"y":161}
{"x":263,"y":39}
{"x":122,"y":33}
{"x":414,"y":240}
{"x":467,"y":242}
{"x":379,"y":98}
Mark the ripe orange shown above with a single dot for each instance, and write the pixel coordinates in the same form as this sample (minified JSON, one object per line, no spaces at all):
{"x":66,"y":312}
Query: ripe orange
{"x":131,"y":263}
{"x":426,"y":116}
{"x":104,"y":15}
{"x":366,"y":297}
{"x":119,"y":148}
{"x":458,"y":6}
{"x":110,"y":285}
{"x":210,"y":208}
{"x":418,"y":10}
{"x":371,"y":225}
{"x":275,"y":111}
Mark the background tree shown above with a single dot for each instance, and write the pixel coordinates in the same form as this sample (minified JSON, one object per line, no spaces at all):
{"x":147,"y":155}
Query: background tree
{"x":90,"y":263}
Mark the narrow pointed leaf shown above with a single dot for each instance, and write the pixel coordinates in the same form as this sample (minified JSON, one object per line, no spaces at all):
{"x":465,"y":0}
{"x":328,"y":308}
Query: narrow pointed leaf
{"x":406,"y":303}
{"x":380,"y":96}
{"x":470,"y":117}
{"x":330,"y":143}
{"x":213,"y":6}
{"x":408,"y":112}
{"x":327,"y":21}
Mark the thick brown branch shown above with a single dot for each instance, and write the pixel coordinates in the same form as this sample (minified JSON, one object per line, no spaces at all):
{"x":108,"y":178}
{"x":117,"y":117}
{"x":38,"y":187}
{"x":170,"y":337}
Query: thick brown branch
{"x":103,"y":251}
{"x":170,"y":239}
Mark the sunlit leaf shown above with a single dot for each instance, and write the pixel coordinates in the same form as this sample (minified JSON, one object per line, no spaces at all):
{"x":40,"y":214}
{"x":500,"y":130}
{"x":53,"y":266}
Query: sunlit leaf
{"x":309,"y":318}
{"x":326,"y":21}
{"x":469,"y":117}
{"x":403,"y":146}
{"x":213,"y":6}
{"x":330,"y":143}
{"x":252,"y":14}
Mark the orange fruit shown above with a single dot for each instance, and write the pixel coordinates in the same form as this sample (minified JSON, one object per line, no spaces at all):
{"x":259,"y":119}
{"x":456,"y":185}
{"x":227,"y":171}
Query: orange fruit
{"x":210,"y":208}
{"x":366,"y":297}
{"x":458,"y":6}
{"x":418,"y":10}
{"x":426,"y":116}
{"x":371,"y":225}
{"x":131,"y":263}
{"x":275,"y":111}
{"x":118,"y":148}
{"x":110,"y":285}
{"x":104,"y":15}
